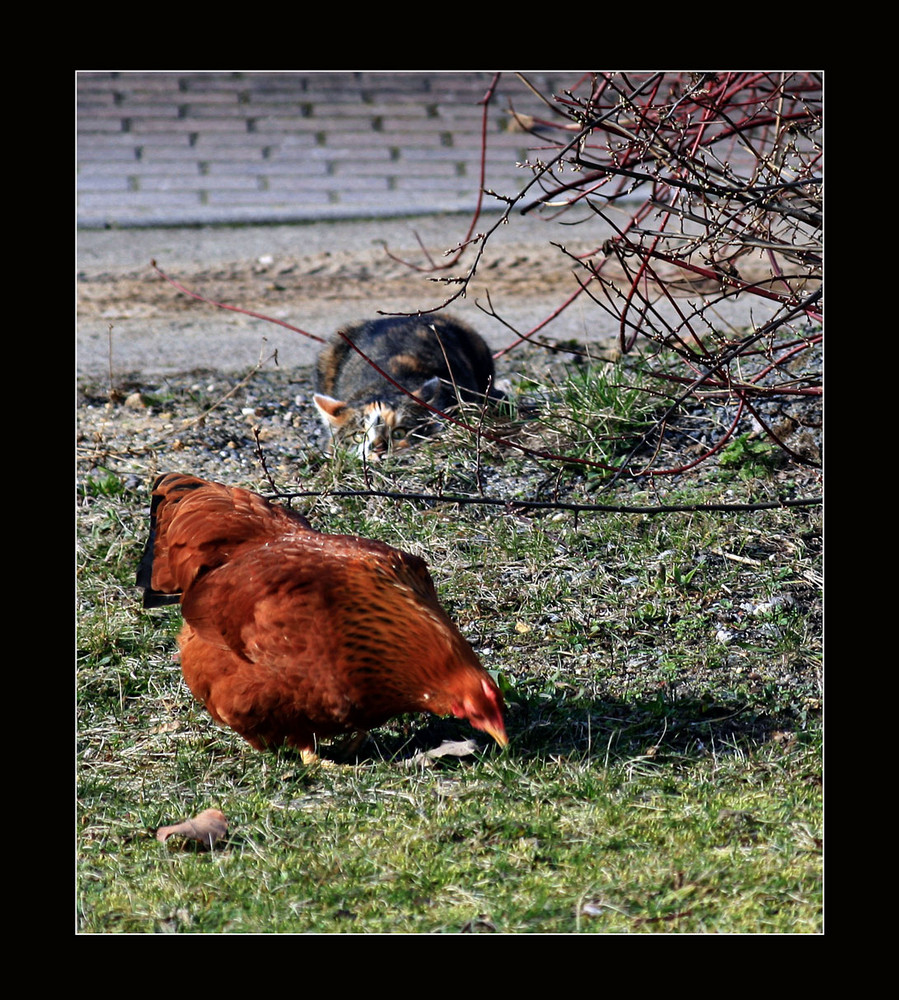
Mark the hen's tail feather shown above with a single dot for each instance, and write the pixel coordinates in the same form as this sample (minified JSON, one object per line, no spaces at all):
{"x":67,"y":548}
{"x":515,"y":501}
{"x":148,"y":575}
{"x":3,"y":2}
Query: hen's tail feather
{"x":185,"y":541}
{"x":156,"y":598}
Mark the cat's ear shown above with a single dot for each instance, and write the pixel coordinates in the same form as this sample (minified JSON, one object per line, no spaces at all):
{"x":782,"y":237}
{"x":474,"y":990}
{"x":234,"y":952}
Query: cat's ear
{"x":429,"y":391}
{"x":334,"y":412}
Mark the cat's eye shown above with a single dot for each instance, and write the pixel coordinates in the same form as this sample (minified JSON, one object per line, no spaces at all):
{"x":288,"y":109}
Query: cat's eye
{"x":398,"y":433}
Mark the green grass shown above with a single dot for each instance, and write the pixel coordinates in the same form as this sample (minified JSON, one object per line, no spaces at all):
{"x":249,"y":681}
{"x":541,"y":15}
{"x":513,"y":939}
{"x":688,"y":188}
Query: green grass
{"x":526,"y":845}
{"x":663,"y":681}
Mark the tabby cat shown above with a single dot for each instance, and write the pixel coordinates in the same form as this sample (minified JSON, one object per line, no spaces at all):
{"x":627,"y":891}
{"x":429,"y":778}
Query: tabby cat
{"x":433,"y":357}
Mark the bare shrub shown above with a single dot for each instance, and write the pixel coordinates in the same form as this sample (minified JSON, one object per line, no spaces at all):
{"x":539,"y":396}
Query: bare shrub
{"x":711,"y":185}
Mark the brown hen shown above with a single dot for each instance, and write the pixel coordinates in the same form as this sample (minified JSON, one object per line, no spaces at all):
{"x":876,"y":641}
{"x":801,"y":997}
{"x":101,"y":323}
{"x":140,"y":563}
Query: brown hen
{"x":291,"y":634}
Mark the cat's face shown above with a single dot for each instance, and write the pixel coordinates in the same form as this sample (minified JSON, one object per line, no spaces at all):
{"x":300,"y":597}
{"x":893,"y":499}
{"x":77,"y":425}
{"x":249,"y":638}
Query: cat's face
{"x":370,"y":430}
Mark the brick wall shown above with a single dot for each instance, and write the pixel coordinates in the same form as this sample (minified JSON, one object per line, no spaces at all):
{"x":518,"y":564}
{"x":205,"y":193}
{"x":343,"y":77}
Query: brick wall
{"x":171,"y":148}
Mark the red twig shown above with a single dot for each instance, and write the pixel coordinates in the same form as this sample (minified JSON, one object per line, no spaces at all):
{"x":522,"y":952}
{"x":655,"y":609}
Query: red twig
{"x":467,"y":239}
{"x":246,"y":312}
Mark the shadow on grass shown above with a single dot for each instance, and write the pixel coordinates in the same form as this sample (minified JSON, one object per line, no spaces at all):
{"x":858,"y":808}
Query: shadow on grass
{"x":611,"y":729}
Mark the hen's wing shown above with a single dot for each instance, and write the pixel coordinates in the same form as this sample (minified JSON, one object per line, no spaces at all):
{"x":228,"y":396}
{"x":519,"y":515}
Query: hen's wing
{"x":336,"y":605}
{"x":346,"y":631}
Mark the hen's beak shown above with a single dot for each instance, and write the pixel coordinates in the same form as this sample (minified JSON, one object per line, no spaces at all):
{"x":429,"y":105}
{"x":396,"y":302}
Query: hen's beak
{"x":498,"y":733}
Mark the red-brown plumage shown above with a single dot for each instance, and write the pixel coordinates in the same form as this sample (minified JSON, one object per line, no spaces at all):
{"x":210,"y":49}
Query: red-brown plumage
{"x":291,"y":634}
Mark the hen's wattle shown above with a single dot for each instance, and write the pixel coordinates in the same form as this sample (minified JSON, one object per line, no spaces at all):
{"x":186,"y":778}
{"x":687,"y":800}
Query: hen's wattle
{"x":291,"y":634}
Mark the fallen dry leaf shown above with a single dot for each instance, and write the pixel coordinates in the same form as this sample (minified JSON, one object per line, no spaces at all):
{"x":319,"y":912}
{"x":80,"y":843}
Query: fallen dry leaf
{"x":207,"y":827}
{"x":454,"y":748}
{"x":448,"y":748}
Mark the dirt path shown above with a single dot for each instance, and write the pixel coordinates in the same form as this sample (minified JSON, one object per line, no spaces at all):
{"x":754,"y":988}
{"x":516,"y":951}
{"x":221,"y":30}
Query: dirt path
{"x":314,"y":277}
{"x":318,"y":277}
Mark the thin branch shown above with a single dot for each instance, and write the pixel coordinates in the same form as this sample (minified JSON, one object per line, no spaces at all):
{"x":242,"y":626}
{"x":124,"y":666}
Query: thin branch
{"x":580,"y":508}
{"x":246,"y":312}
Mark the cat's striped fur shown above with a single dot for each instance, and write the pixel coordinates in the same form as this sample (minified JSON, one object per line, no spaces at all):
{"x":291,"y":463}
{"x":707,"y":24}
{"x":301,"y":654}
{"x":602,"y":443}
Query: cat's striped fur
{"x":438,"y":359}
